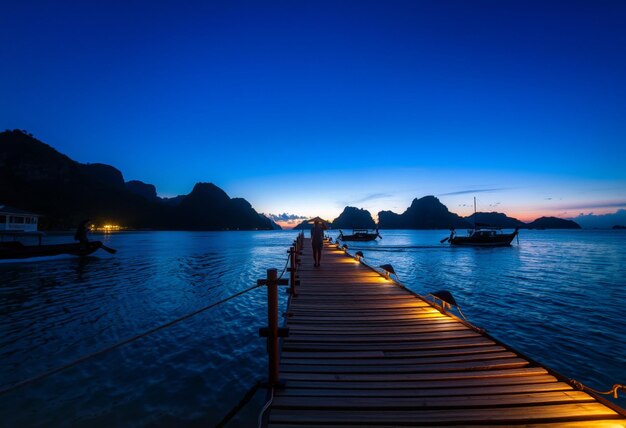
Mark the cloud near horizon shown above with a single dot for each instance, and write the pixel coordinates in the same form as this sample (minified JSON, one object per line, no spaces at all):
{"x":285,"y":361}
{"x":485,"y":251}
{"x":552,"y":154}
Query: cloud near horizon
{"x":594,"y":205}
{"x":602,"y":221}
{"x":286,"y":218}
{"x":367,"y":198}
{"x":374,"y":196}
{"x":464,"y":192}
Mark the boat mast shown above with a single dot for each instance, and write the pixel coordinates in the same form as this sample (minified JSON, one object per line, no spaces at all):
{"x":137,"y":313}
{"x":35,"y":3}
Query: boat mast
{"x":474,"y":212}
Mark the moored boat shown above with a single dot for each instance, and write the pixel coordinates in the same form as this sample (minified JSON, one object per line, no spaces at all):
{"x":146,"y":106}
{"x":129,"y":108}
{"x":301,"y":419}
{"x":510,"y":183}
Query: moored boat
{"x":360,"y":235}
{"x":484,"y":237}
{"x":481,"y":235}
{"x":17,"y":223}
{"x":17,"y":250}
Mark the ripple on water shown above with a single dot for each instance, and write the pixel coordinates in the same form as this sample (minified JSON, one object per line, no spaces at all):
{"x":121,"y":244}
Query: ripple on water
{"x":558,"y":297}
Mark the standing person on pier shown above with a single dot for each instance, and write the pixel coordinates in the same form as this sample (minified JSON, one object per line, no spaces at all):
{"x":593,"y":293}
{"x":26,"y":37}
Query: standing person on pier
{"x":317,"y":241}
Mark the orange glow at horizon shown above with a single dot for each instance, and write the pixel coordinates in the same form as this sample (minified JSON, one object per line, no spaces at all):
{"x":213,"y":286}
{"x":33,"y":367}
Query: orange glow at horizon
{"x":287,"y":225}
{"x":525,"y":215}
{"x":530,"y":215}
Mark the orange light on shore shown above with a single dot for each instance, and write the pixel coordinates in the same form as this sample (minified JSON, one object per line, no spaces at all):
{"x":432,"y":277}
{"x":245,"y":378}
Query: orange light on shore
{"x":110,"y":228}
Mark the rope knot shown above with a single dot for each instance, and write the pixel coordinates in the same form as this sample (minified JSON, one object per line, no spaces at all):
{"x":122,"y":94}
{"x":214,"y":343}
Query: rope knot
{"x":616,"y":389}
{"x":578,"y":385}
{"x":613,"y":391}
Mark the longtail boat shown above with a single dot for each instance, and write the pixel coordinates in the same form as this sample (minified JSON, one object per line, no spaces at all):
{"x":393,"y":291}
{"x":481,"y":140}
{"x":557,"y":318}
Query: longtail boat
{"x":17,"y":250}
{"x":359,"y":235}
{"x":484,"y":237}
{"x":481,"y":235}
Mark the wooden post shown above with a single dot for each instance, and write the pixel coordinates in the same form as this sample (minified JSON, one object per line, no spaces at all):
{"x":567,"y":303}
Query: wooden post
{"x":272,"y":324}
{"x":292,"y":270}
{"x":299,"y":241}
{"x":272,"y":332}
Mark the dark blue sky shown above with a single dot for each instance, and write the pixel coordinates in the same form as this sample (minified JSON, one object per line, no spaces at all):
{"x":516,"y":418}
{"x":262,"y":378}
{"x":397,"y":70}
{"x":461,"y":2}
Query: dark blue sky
{"x":305,"y":106}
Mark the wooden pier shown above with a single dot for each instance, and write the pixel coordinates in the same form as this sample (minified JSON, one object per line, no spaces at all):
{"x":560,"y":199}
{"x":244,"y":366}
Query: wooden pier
{"x":364,"y":351}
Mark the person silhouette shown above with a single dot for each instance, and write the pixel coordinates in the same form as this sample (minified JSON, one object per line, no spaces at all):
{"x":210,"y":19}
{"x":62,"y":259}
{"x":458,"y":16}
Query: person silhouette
{"x":317,"y":242}
{"x":81,"y":232}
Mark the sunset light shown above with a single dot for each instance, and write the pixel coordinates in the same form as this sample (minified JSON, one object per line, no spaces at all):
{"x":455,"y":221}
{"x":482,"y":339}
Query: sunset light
{"x":233,"y":213}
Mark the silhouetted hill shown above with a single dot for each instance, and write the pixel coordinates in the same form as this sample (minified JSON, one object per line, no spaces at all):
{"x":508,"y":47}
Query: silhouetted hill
{"x":105,"y":174}
{"x":36,"y":177}
{"x":495,"y":219}
{"x":203,"y":205}
{"x":553,"y":223}
{"x":140,"y":188}
{"x":618,"y":227}
{"x":424,"y":213}
{"x":275,"y":226}
{"x":354,"y":218}
{"x":208,"y":207}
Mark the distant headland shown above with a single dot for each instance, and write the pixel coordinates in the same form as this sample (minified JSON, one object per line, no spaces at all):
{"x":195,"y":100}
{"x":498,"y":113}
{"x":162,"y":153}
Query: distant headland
{"x":36,"y":177}
{"x":429,"y":213}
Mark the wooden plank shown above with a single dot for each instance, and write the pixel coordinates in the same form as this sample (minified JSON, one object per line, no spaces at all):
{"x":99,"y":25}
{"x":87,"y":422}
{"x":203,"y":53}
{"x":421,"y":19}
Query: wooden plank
{"x":384,"y":295}
{"x":499,"y":364}
{"x":427,"y":392}
{"x":481,"y":374}
{"x":285,"y":362}
{"x":525,"y":414}
{"x":394,"y":354}
{"x":348,"y":311}
{"x":410,"y":403}
{"x":371,"y":317}
{"x":348,"y":308}
{"x":605,"y":423}
{"x":380,"y":385}
{"x":385,"y":338}
{"x":433,"y":344}
{"x":374,"y":319}
{"x":335,"y":354}
{"x":387,"y":324}
{"x":302,"y":328}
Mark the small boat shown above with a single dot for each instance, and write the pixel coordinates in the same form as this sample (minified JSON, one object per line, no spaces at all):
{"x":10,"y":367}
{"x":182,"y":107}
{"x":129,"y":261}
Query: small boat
{"x":360,"y":235}
{"x":15,"y":222}
{"x":483,"y":237}
{"x":17,"y":250}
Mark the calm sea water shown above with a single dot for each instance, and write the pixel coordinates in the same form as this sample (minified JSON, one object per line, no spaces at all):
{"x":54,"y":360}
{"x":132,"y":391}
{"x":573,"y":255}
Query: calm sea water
{"x":558,"y":296}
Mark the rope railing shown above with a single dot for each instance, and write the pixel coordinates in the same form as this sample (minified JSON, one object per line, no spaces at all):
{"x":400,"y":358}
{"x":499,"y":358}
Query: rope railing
{"x":387,"y":270}
{"x":445,"y":303}
{"x":284,"y":268}
{"x":613,"y":391}
{"x":272,"y":331}
{"x":121,"y":343}
{"x":134,"y":338}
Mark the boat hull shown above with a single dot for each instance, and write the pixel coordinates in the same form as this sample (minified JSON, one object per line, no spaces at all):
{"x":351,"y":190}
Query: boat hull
{"x":503,"y":240}
{"x":17,"y":251}
{"x":362,"y":238}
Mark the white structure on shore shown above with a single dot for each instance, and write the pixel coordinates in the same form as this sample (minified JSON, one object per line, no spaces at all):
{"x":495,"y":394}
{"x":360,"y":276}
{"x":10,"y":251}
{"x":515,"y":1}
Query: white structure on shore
{"x":17,"y":220}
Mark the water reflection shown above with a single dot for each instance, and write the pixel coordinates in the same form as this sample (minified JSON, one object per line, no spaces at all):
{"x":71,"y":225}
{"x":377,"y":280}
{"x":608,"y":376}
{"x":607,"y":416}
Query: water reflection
{"x":546,"y":296}
{"x":557,"y":297}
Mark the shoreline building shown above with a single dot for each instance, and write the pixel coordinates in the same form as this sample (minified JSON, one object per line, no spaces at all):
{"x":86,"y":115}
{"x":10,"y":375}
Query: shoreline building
{"x":17,"y":220}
